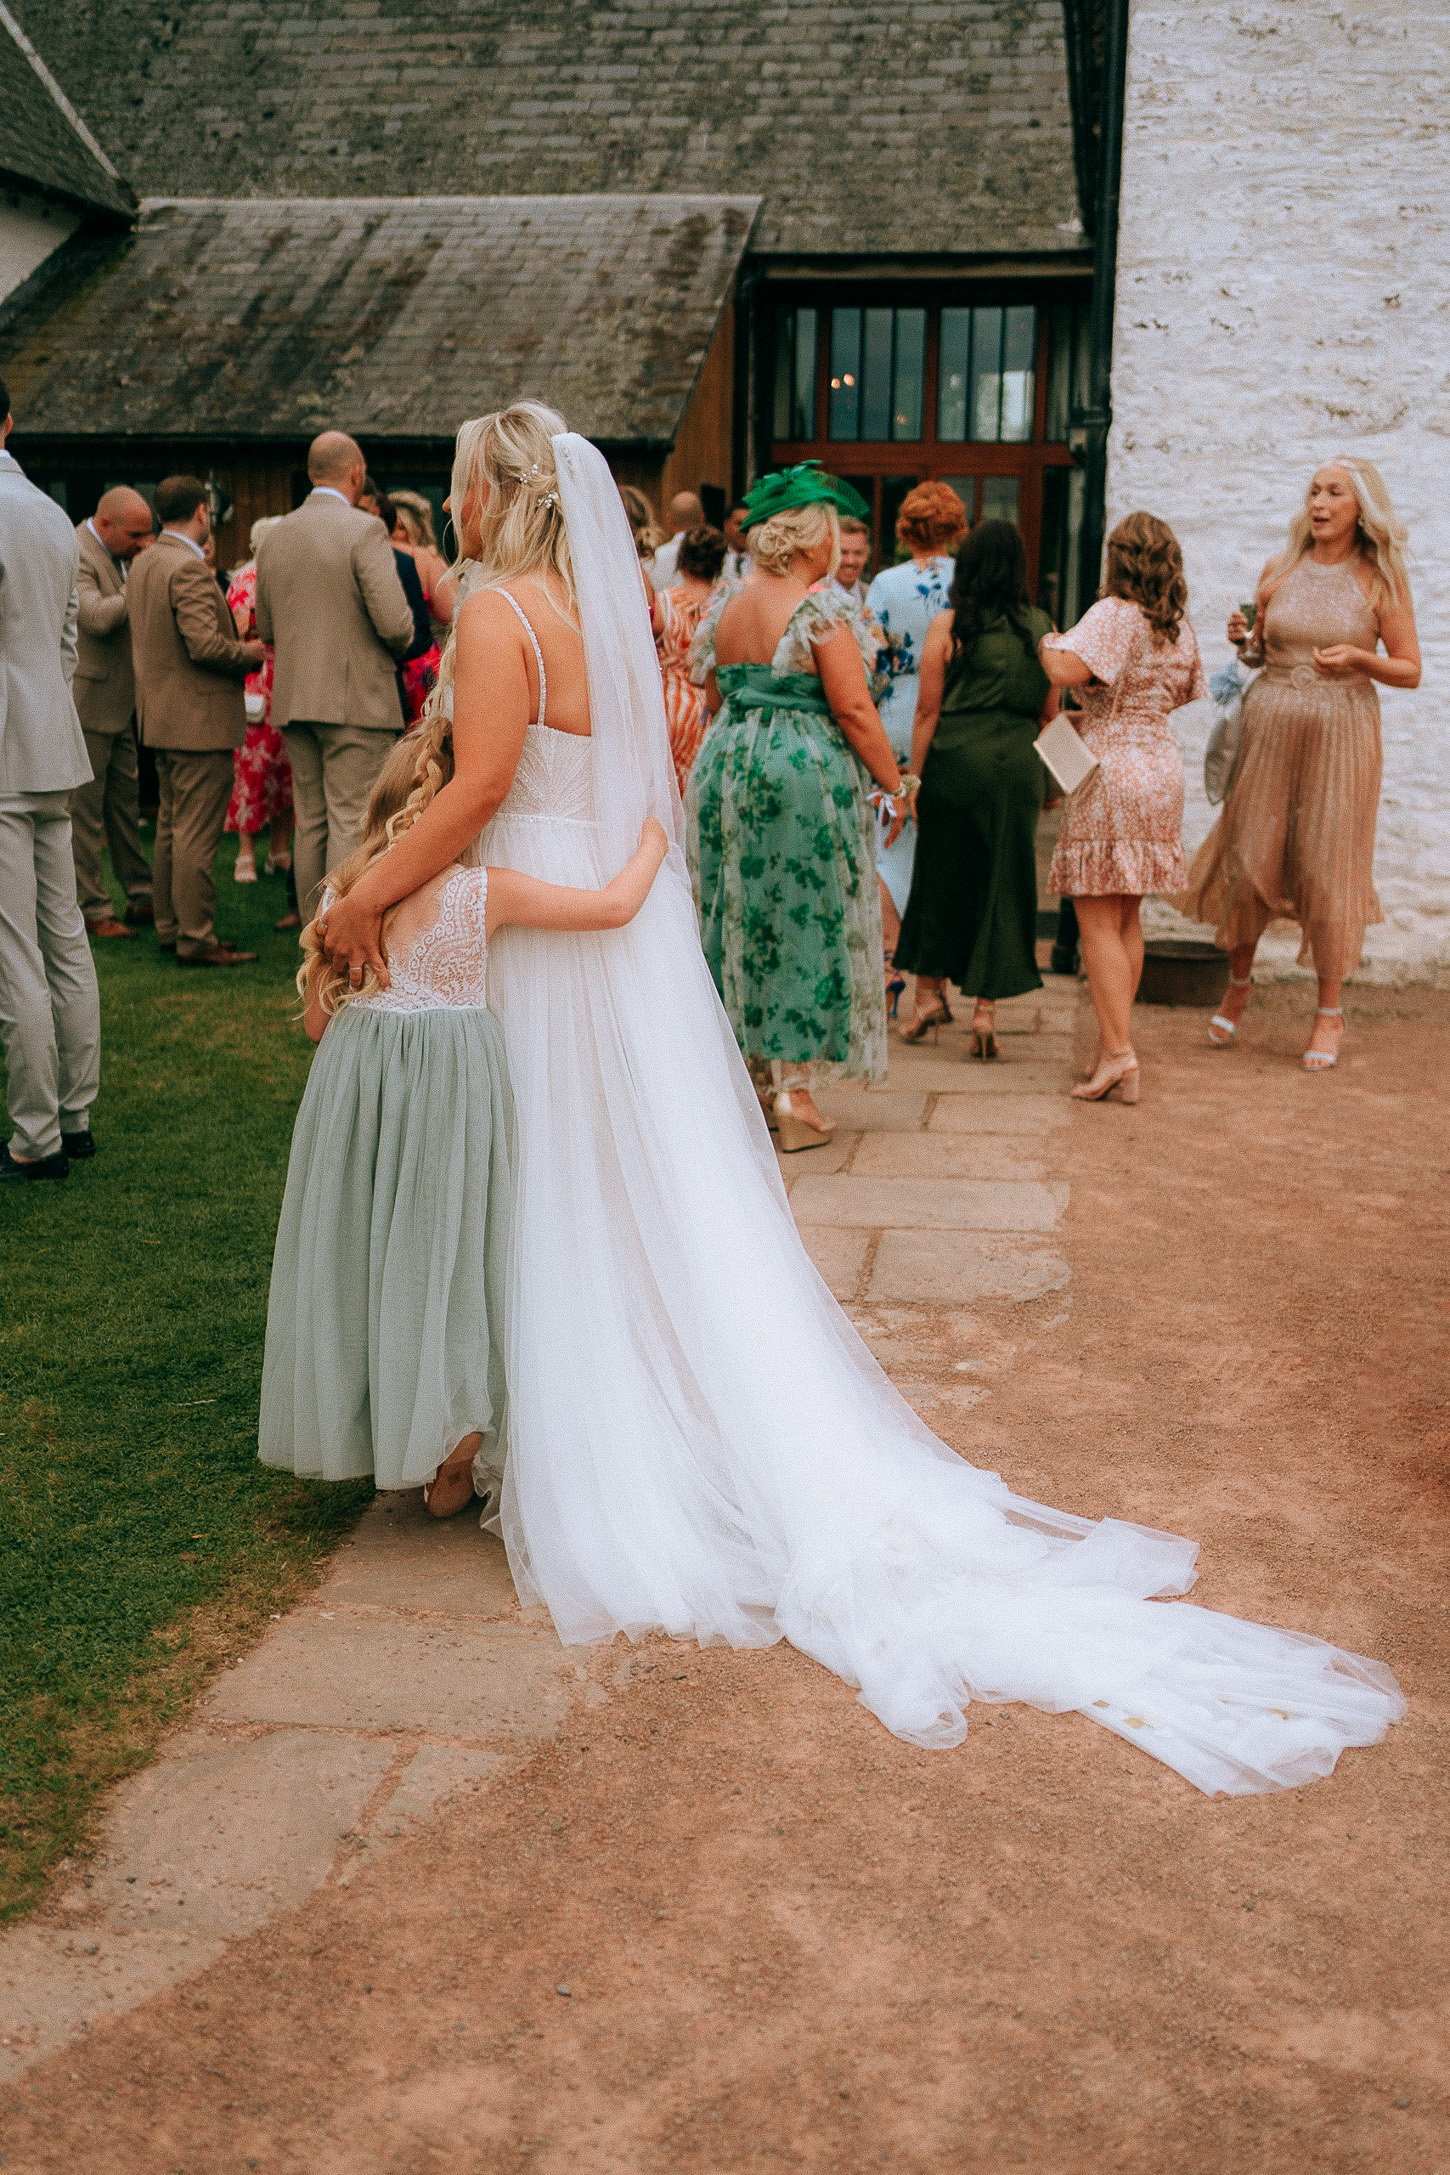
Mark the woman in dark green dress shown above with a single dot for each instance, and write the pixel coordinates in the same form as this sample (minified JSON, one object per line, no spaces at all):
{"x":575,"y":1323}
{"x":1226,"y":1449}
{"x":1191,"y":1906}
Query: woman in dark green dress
{"x":972,"y":914}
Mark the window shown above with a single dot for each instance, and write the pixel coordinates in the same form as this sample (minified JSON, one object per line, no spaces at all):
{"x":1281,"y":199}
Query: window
{"x":987,"y":376}
{"x":1067,"y":366}
{"x":795,"y":375}
{"x":878,"y":375}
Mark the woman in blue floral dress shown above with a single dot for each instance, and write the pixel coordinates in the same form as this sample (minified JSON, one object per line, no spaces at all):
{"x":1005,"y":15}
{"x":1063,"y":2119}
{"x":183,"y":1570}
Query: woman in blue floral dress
{"x":904,"y":600}
{"x":779,"y":812}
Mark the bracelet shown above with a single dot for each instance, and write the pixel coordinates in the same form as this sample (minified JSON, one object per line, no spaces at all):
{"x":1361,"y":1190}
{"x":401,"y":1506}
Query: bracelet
{"x":910,"y":784}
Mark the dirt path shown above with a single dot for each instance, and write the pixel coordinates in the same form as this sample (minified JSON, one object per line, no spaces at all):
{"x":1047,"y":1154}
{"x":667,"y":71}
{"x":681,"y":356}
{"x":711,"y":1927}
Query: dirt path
{"x":720,"y":1920}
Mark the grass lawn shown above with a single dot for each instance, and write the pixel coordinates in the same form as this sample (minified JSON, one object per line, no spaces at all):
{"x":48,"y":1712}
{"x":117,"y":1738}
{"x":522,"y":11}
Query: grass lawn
{"x":143,"y":1544}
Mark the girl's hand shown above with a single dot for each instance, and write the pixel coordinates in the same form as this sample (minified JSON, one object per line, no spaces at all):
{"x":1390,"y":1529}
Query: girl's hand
{"x":654,"y":834}
{"x":1339,"y":657}
{"x":351,"y":934}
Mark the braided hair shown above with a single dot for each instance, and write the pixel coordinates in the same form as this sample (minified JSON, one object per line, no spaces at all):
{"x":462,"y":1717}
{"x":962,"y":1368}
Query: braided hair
{"x":990,"y":583}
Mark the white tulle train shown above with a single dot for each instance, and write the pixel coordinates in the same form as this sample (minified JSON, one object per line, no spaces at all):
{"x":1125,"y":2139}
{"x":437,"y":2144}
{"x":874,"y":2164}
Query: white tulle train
{"x":699,"y":1441}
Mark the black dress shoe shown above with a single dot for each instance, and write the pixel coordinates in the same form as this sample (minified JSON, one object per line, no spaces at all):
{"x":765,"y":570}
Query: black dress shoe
{"x":78,"y":1146}
{"x":139,"y":917}
{"x":45,"y":1166}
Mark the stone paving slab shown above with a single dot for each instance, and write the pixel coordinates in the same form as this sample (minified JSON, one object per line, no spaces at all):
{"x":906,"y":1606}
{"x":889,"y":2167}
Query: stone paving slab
{"x":928,"y":1204}
{"x":373,"y":1669}
{"x":947,"y":1155}
{"x":946,"y":1267}
{"x":840,"y":1255}
{"x":1031,"y":1115}
{"x":879,"y":1110}
{"x":948,"y":1076}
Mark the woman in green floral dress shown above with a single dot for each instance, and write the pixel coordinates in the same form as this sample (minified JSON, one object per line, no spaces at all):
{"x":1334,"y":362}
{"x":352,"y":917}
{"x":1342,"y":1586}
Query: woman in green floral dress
{"x":781,"y":837}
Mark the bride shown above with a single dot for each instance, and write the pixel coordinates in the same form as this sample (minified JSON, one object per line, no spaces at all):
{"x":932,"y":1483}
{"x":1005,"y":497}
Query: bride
{"x":699,"y":1442}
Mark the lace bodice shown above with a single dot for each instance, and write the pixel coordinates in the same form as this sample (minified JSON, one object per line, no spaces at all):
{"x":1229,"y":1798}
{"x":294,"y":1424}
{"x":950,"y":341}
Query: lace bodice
{"x":437,"y":946}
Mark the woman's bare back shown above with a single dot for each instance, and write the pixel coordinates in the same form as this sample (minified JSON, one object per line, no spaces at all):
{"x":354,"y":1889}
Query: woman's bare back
{"x":566,"y":709}
{"x":753,"y":622}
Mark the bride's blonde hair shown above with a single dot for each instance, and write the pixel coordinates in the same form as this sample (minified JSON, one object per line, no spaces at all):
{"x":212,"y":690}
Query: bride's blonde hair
{"x":521,"y":528}
{"x":1380,"y":537}
{"x":418,"y":767}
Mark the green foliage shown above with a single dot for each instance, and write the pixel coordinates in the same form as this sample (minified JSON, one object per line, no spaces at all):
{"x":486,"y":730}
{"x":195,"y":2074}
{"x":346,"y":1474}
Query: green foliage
{"x":142,"y":1542}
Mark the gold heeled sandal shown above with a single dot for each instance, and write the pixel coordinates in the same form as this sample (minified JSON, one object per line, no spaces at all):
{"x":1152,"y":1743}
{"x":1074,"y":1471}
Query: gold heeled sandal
{"x":1324,"y":1060}
{"x":794,"y":1131}
{"x":926,"y":1023}
{"x":984,"y":1033}
{"x":1119,"y":1071}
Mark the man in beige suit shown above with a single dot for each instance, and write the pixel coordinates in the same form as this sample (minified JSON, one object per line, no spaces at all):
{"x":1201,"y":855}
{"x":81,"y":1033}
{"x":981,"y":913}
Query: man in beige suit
{"x":189,"y":673}
{"x":107,"y":810}
{"x":329,"y":598}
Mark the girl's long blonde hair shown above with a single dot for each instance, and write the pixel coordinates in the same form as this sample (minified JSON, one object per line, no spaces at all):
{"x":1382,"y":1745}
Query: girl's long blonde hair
{"x":521,"y":528}
{"x":418,"y":766}
{"x":1380,"y":537}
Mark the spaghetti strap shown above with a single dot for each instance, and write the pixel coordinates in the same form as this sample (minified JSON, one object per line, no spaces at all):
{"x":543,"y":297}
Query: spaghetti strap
{"x":538,"y":653}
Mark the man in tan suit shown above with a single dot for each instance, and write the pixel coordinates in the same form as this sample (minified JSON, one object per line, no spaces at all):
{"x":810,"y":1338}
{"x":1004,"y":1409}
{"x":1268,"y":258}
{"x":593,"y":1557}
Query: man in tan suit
{"x":107,"y":810}
{"x":189,"y":673}
{"x":329,"y":598}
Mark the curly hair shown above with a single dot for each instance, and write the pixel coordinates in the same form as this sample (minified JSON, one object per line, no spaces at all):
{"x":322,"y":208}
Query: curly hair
{"x":990,"y":584}
{"x":774,"y":543}
{"x":1145,"y":567}
{"x":932,"y":518}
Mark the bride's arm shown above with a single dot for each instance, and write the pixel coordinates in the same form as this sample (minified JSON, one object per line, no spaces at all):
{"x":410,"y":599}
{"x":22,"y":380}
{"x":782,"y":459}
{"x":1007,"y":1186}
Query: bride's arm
{"x":491,"y":707}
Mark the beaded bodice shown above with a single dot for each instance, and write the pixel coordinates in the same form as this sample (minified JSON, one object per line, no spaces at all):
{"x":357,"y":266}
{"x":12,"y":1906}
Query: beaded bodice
{"x":437,"y":947}
{"x":1315,"y":607}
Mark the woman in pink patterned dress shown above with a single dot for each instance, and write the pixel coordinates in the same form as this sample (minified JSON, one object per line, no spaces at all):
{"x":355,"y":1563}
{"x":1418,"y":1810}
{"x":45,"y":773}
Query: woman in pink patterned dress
{"x":1133,"y":657}
{"x":675,"y":615}
{"x":262,"y":794}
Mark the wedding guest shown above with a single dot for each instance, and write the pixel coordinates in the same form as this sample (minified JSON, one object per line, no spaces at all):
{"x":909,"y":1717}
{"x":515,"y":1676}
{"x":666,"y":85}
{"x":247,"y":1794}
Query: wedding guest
{"x":106,"y":810}
{"x":415,"y":534}
{"x":903,"y":601}
{"x":781,"y":833}
{"x":686,"y":513}
{"x":1133,"y":658}
{"x":645,"y":529}
{"x":675,"y":616}
{"x":983,"y":698}
{"x":418,"y":671}
{"x":737,"y":549}
{"x":855,"y":551}
{"x":1296,"y":836}
{"x":189,"y":673}
{"x":262,"y":786}
{"x":50,"y":1011}
{"x":330,"y":600}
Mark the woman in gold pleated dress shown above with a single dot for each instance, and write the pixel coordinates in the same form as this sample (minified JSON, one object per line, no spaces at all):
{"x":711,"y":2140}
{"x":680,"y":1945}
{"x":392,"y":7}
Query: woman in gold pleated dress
{"x":1296,"y":837}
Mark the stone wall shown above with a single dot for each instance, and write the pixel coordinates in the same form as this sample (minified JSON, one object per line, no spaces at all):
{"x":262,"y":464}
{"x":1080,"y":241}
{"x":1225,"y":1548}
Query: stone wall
{"x":1282,"y":296}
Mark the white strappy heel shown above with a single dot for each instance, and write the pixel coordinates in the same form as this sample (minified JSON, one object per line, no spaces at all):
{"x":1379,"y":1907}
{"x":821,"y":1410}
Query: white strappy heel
{"x":1227,"y":1029}
{"x":1323,"y":1060}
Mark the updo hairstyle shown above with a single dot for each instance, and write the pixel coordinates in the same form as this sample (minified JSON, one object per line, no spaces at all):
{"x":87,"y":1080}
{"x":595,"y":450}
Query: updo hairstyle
{"x":774,"y":544}
{"x":702,"y":552}
{"x":1145,"y":567}
{"x":932,"y":518}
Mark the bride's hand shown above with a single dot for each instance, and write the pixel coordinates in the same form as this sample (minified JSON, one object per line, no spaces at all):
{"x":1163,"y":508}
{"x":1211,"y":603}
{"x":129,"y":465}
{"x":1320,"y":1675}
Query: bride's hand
{"x":351,"y":934}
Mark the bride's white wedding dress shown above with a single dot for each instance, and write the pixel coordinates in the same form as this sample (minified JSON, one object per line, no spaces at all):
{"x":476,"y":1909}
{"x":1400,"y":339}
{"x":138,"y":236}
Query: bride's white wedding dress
{"x":699,"y":1441}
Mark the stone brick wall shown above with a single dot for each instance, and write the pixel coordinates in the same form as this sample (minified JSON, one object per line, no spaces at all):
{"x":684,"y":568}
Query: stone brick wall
{"x":1281,"y":297}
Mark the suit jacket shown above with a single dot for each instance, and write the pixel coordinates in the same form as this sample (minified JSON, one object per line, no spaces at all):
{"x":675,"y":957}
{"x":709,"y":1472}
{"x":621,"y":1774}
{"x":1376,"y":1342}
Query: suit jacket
{"x":189,"y":664}
{"x":329,"y":598}
{"x":105,"y":681}
{"x":42,"y":749}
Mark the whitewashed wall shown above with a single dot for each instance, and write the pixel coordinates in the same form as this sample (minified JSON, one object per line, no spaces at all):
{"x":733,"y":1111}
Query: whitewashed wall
{"x":30,"y":228}
{"x":1284,"y":294}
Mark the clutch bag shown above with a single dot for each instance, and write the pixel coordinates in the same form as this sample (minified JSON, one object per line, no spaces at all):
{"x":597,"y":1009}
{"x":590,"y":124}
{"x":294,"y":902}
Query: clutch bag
{"x":1069,"y":759}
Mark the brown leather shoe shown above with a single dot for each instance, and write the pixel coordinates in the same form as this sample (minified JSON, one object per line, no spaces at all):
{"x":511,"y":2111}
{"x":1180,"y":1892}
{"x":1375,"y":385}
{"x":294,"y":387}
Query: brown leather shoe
{"x":140,"y":917}
{"x":216,"y":955}
{"x":108,"y":928}
{"x":289,"y":921}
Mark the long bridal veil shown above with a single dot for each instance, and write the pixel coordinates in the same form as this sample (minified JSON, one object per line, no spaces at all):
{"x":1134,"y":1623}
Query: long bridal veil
{"x":699,"y":1441}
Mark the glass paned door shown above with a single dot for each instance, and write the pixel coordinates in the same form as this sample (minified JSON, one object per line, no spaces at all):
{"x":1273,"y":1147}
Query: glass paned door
{"x":878,"y":375}
{"x":987,"y":375}
{"x":795,"y":374}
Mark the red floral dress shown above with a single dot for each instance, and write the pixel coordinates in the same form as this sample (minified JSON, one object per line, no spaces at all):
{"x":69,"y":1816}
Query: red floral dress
{"x":263,"y":787}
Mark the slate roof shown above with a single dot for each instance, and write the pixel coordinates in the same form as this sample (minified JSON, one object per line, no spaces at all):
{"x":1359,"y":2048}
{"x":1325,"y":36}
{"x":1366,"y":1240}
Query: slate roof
{"x":393,"y":317}
{"x":876,"y":126}
{"x":43,"y":143}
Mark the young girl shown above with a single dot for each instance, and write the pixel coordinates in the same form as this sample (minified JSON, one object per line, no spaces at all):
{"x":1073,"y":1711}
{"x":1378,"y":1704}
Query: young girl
{"x":385,"y":1323}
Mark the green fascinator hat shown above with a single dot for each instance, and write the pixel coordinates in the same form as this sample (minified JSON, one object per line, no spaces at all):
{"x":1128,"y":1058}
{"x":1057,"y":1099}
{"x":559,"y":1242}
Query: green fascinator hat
{"x":805,"y":485}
